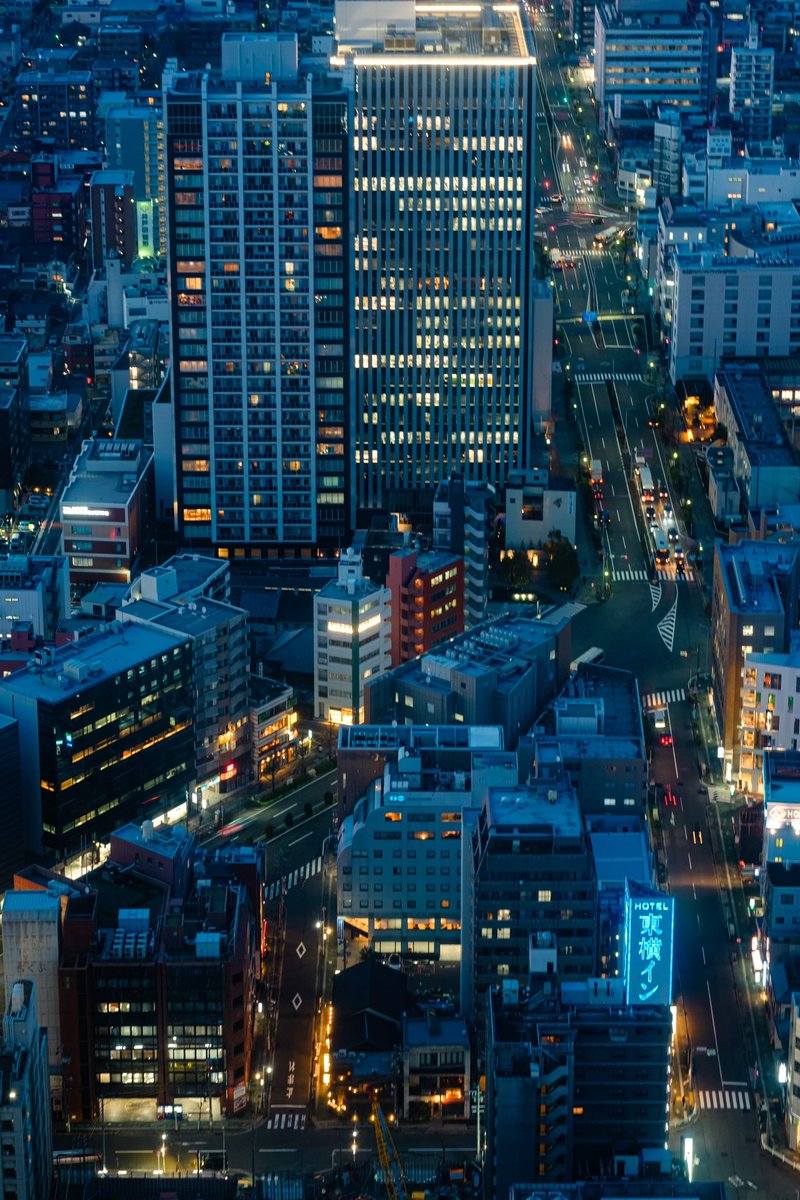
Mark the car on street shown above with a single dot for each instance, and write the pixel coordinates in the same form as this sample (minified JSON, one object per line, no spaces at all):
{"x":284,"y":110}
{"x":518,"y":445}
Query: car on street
{"x":598,"y":220}
{"x":672,"y":533}
{"x":670,"y":799}
{"x":666,"y":739}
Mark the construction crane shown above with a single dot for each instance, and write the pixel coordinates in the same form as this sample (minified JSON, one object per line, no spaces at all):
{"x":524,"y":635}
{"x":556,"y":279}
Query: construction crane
{"x":387,"y":1153}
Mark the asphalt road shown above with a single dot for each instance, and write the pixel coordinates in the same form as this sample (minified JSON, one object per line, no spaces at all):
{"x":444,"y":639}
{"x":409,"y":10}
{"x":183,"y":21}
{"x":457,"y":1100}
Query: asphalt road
{"x":655,"y":625}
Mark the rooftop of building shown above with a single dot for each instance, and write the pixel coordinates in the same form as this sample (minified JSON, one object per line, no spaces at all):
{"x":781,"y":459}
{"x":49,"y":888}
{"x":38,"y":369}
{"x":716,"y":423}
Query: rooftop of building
{"x":620,"y":851}
{"x":748,"y":571}
{"x":404,"y":30}
{"x":23,"y":571}
{"x":391,"y":737}
{"x":197,"y":572}
{"x":106,"y":471}
{"x":121,"y":891}
{"x":641,"y":24}
{"x":688,"y":261}
{"x":428,"y":561}
{"x":168,"y":841}
{"x":12,"y":349}
{"x":264,"y":690}
{"x":139,"y":915}
{"x":505,"y":646}
{"x":758,"y":422}
{"x":433,"y":1028}
{"x":530,"y":808}
{"x":58,"y":674}
{"x":38,"y":78}
{"x":182,"y":614}
{"x":110,"y":177}
{"x":46,"y":903}
{"x":598,"y":695}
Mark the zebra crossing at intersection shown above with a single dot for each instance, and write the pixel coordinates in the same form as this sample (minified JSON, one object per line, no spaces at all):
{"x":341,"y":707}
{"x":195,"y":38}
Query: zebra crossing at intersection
{"x":298,"y":875}
{"x":629,"y":575}
{"x":725,"y":1098}
{"x":625,"y":377}
{"x":293,"y":1119}
{"x":659,"y":699}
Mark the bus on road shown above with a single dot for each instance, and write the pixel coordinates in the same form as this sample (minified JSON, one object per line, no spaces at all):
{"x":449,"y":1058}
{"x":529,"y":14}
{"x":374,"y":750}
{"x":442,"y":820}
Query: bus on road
{"x":660,"y":548}
{"x":606,"y":236}
{"x":645,"y":485}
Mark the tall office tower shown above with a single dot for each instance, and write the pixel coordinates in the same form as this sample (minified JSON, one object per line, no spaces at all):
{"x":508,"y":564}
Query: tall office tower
{"x":752,"y":77}
{"x":642,"y":56}
{"x":257,"y":230}
{"x":443,"y":176}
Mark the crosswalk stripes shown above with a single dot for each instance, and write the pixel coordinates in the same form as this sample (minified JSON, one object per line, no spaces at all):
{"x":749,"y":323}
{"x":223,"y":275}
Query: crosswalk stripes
{"x":295,"y":1119}
{"x":625,"y":377}
{"x":673,"y":576}
{"x":666,"y":626}
{"x":725,"y":1098}
{"x":660,"y":699}
{"x":628,"y":575}
{"x":298,"y":875}
{"x":631,"y":575}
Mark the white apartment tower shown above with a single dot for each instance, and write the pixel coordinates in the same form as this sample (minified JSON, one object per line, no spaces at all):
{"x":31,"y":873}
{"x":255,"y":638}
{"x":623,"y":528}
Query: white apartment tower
{"x":443,"y":176}
{"x":352,"y":641}
{"x":752,"y":77}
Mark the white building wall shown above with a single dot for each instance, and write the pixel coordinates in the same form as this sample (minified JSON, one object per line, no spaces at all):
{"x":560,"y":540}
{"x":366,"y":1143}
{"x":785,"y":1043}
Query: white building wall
{"x":737,"y":308}
{"x":352,"y":642}
{"x":31,"y":922}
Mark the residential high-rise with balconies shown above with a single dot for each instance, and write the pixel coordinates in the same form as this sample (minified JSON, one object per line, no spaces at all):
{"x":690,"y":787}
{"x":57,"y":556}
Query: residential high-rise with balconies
{"x":752,"y":78}
{"x":257,"y":206}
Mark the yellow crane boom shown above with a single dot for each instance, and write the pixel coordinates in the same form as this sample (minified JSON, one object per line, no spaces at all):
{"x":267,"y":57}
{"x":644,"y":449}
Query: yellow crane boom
{"x":389,"y":1158}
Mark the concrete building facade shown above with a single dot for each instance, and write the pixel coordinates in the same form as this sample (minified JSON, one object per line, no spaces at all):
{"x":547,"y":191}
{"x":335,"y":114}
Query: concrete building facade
{"x":736,"y":307}
{"x":399,"y":854}
{"x":352,"y":641}
{"x":754,"y":607}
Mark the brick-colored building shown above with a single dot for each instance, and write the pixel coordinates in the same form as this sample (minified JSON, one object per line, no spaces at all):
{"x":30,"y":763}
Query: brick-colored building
{"x":161,"y":954}
{"x":427,"y":601}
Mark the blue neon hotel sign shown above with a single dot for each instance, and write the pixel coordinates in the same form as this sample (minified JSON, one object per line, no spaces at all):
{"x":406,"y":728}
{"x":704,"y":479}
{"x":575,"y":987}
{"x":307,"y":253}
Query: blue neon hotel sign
{"x":649,"y":925}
